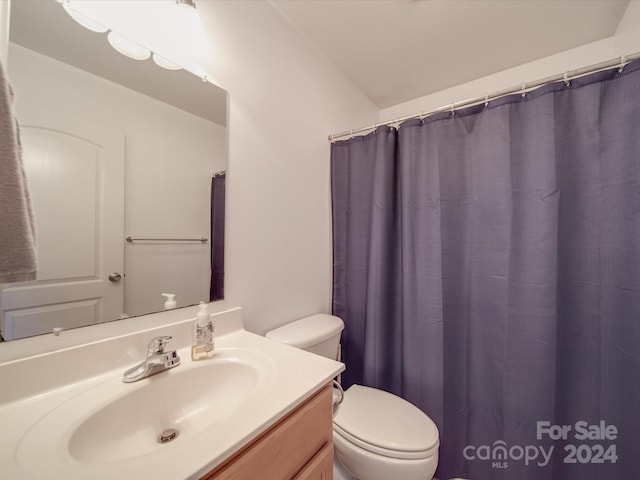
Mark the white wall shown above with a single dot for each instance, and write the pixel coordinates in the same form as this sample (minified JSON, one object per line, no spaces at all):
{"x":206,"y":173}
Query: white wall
{"x":285,"y":98}
{"x":627,"y":36}
{"x":626,"y":41}
{"x":170,"y":156}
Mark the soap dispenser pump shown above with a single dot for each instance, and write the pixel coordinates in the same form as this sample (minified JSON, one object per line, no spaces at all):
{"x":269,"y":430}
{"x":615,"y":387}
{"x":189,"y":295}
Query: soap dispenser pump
{"x":203,"y":342}
{"x":170,"y":304}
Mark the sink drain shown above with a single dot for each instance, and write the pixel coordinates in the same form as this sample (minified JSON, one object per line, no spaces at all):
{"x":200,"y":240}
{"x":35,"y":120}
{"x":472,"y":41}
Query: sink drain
{"x":167,"y":435}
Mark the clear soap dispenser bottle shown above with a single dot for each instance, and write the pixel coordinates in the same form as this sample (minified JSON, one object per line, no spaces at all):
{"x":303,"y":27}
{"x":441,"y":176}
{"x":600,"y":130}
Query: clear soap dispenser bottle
{"x":202,"y":335}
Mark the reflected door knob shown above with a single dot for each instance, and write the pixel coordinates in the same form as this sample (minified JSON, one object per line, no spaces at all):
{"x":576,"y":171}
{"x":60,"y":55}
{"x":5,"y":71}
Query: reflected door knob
{"x":114,"y":277}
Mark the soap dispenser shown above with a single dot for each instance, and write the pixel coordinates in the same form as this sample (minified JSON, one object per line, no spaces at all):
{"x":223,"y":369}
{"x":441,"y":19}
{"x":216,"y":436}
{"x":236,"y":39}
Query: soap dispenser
{"x":170,"y":304}
{"x":203,"y":335}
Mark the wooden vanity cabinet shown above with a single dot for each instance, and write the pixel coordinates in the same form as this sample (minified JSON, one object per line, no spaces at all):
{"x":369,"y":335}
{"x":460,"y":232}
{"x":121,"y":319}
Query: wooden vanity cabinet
{"x":298,"y":447}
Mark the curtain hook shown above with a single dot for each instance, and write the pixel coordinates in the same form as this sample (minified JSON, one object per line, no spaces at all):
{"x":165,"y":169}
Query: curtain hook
{"x":453,"y":109}
{"x":622,"y":65}
{"x":374,"y":128}
{"x":350,"y":133}
{"x":566,"y":80}
{"x":421,"y":117}
{"x":524,"y":90}
{"x":486,"y":100}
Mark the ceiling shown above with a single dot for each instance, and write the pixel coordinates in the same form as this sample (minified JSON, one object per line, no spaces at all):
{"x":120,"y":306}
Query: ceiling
{"x":399,"y":50}
{"x":392,"y":50}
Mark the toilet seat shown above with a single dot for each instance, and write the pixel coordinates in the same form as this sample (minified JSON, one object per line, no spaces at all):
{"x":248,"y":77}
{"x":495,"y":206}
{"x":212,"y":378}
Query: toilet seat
{"x":385,"y":424}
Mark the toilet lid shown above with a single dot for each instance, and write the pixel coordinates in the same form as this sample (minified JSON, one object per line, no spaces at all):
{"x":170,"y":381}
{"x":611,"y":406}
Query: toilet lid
{"x":385,"y":423}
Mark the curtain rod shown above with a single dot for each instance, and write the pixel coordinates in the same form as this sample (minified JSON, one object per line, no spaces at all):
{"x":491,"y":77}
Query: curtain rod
{"x":621,"y":62}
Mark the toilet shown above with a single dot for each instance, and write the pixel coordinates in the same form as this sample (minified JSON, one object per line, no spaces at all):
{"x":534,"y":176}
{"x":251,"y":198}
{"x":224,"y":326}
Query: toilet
{"x":377,"y":435}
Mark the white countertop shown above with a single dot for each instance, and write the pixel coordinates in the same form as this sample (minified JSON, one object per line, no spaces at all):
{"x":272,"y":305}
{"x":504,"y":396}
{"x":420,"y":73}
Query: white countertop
{"x":295,"y":376}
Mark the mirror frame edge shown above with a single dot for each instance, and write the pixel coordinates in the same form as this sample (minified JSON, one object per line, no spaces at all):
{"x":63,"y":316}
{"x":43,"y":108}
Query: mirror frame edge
{"x":4,"y":30}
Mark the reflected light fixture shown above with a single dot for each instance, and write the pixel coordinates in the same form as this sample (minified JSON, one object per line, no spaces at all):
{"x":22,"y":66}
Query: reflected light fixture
{"x":83,"y":20}
{"x":187,"y":10}
{"x":174,"y":32}
{"x":128,"y":47}
{"x":164,"y":63}
{"x":188,"y":21}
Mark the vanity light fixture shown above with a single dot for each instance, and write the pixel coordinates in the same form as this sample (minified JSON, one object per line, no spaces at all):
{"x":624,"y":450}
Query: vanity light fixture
{"x":188,"y":23}
{"x":187,"y":13}
{"x":164,"y":63}
{"x":186,"y":31}
{"x":170,"y":28}
{"x":88,"y":15}
{"x":128,"y":47}
{"x":83,"y":20}
{"x":186,"y":3}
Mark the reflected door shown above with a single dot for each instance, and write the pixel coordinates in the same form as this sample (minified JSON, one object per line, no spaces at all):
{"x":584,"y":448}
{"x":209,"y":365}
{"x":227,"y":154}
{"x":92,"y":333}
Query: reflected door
{"x":75,"y":170}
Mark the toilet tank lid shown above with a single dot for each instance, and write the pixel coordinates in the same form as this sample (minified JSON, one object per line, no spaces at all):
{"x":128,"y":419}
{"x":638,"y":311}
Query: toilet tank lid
{"x":308,"y":331}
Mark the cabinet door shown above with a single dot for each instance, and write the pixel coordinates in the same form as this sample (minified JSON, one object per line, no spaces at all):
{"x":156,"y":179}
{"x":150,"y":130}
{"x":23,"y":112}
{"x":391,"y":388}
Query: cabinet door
{"x":320,"y":467}
{"x":286,"y":449}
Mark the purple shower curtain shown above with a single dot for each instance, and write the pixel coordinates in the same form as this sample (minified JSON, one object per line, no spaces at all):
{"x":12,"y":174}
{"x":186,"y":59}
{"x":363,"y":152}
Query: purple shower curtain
{"x":487,"y":267}
{"x":216,"y":286}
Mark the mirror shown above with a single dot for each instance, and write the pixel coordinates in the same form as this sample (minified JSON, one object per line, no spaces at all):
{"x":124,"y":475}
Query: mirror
{"x":114,"y":148}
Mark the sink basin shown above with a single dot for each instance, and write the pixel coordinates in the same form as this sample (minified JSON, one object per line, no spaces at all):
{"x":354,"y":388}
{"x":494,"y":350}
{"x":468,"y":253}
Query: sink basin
{"x":116,"y":422}
{"x":186,"y":401}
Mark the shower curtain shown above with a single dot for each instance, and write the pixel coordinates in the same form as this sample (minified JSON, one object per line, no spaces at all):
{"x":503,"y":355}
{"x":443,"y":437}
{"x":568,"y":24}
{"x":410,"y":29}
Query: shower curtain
{"x":487,"y":268}
{"x":216,"y":286}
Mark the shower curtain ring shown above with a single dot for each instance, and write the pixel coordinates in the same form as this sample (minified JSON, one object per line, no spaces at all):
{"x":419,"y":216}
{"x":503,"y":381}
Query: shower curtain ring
{"x":486,"y":100}
{"x":565,"y":78}
{"x":524,"y":90}
{"x":622,"y":64}
{"x":453,"y":109}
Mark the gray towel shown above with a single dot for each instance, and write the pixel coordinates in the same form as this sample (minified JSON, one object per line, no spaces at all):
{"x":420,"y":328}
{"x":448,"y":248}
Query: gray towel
{"x":17,"y":228}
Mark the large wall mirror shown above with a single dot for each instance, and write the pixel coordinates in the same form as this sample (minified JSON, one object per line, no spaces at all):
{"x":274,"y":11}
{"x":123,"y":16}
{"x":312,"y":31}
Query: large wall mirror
{"x":114,"y":149}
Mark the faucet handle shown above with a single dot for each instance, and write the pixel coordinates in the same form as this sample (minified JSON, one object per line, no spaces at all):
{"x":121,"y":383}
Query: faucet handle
{"x":157,"y":344}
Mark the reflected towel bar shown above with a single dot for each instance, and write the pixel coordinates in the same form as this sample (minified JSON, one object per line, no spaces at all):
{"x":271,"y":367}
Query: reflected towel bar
{"x":201,"y":240}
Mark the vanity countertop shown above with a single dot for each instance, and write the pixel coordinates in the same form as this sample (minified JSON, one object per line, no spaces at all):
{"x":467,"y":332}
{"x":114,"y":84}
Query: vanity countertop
{"x":287,"y":377}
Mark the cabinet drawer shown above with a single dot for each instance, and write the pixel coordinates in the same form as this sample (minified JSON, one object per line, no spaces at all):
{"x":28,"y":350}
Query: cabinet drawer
{"x":285,"y":449}
{"x":320,"y":467}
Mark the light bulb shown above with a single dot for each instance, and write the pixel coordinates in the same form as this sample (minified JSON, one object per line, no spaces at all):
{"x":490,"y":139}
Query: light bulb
{"x":128,"y":47}
{"x":164,"y":63}
{"x":83,"y":20}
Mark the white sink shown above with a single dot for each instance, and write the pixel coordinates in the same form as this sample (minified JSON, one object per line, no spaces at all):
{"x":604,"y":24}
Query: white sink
{"x":68,"y":414}
{"x":116,"y":422}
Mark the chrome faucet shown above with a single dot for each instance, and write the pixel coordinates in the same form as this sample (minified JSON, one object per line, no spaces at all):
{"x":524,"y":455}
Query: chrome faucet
{"x":157,"y":361}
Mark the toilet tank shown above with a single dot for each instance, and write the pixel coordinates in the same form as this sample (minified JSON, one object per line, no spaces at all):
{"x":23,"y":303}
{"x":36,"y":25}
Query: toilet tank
{"x":319,"y":334}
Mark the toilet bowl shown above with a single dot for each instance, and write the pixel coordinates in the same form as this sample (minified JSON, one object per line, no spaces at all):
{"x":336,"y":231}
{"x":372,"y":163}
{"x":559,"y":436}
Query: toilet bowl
{"x":377,"y":435}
